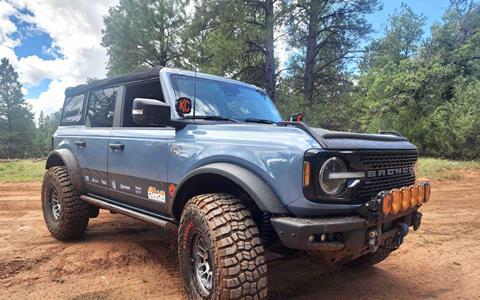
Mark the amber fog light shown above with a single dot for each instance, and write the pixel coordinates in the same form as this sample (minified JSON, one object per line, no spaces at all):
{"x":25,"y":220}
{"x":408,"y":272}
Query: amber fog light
{"x":405,"y":198}
{"x":421,"y":194}
{"x":396,"y":201}
{"x":428,"y":190}
{"x":386,"y":204}
{"x":413,"y":196}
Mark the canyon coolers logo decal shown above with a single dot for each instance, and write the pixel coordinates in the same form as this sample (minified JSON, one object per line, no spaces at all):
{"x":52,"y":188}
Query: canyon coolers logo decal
{"x":156,"y":194}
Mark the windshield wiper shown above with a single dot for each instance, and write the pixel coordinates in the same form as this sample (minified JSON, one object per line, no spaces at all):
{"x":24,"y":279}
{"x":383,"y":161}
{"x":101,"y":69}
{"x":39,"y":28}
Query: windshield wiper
{"x":213,"y":118}
{"x":263,"y":121}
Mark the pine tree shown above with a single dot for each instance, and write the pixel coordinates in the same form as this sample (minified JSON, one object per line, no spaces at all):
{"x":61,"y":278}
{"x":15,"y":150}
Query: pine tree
{"x":16,"y":119}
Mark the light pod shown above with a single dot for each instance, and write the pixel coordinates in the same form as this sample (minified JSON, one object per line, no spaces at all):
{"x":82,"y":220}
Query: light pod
{"x":396,"y":201}
{"x":405,"y":198}
{"x":428,"y":190}
{"x":413,"y":196}
{"x":386,"y":204}
{"x":421,"y":194}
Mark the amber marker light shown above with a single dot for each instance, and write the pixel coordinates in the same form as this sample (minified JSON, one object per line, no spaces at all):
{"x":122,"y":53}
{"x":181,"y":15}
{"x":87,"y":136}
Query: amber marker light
{"x":413,"y":196}
{"x":306,"y":174}
{"x":428,"y":190}
{"x":421,"y":194}
{"x":405,"y":198}
{"x":386,"y":204}
{"x":396,"y":201}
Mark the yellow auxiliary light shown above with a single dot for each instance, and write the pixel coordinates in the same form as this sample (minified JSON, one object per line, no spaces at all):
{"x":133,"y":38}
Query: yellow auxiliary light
{"x":413,"y":196}
{"x":428,"y":190}
{"x":421,"y":194}
{"x":396,"y":201}
{"x":386,"y":204}
{"x":405,"y":198}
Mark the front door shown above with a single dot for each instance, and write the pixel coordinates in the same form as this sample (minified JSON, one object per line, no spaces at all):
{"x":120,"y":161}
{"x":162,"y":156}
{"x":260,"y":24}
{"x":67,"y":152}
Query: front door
{"x":137,"y":163}
{"x":137,"y":156}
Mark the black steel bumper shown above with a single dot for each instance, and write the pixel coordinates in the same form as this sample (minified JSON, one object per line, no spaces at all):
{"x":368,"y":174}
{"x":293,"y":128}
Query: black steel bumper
{"x":351,"y":234}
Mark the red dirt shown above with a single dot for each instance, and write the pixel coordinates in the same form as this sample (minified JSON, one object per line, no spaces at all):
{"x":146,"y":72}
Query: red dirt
{"x":121,"y":258}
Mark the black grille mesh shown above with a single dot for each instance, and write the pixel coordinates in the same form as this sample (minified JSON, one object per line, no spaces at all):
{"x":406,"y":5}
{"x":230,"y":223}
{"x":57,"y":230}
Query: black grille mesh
{"x":379,"y":161}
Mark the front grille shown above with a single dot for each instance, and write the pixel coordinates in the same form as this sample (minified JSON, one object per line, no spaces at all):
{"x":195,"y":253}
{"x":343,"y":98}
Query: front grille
{"x":382,"y":161}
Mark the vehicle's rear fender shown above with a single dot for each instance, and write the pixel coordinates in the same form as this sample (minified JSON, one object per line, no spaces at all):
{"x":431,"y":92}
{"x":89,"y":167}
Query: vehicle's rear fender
{"x":64,"y":157}
{"x":256,"y":188}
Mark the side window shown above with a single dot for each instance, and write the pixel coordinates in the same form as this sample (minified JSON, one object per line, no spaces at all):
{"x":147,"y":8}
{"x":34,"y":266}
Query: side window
{"x":149,"y":89}
{"x":101,"y":107}
{"x":72,"y":110}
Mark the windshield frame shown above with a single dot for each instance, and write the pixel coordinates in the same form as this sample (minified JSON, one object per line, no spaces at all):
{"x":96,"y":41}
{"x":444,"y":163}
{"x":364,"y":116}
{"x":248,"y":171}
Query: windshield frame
{"x":201,"y":76}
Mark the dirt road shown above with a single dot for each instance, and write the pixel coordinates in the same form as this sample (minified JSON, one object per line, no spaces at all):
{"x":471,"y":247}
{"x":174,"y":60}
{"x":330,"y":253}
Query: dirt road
{"x":123,"y":258}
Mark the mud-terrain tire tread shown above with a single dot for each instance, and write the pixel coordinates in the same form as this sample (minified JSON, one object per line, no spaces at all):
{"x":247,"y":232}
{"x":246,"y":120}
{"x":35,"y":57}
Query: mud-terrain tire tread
{"x":74,"y":217}
{"x":237,"y":248}
{"x":370,"y":259}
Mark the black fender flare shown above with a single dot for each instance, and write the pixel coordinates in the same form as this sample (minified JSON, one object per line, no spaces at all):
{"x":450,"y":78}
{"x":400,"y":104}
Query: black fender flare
{"x":258,"y":190}
{"x":64,"y":157}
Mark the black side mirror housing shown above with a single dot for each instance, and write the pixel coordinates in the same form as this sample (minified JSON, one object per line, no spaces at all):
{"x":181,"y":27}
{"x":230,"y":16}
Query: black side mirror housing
{"x":150,"y":112}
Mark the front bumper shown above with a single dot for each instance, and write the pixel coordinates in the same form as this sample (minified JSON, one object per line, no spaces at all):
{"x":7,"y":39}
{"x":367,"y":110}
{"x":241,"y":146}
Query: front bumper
{"x":347,"y":234}
{"x":378,"y":222}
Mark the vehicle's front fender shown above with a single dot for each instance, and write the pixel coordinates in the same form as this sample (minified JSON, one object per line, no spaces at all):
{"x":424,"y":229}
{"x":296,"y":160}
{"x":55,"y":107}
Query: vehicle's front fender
{"x":258,"y":190}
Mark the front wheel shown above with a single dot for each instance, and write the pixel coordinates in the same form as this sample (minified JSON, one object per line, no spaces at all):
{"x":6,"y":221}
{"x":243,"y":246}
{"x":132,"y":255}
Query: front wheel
{"x":220,"y":251}
{"x":66,"y":216}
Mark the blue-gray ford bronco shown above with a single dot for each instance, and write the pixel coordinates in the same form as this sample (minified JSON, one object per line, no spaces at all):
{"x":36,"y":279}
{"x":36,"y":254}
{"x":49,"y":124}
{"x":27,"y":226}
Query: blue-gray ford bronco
{"x":212,"y":159}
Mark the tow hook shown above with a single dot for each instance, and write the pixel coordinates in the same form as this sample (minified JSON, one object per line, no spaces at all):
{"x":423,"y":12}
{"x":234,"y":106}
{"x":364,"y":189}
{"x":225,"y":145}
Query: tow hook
{"x":395,"y":241}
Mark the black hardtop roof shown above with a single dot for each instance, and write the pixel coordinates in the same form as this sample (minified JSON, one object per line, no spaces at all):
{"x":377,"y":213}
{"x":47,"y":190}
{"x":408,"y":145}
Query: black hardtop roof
{"x":96,"y":84}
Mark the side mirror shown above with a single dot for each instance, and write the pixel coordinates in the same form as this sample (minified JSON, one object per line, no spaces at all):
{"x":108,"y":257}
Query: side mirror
{"x":150,"y":112}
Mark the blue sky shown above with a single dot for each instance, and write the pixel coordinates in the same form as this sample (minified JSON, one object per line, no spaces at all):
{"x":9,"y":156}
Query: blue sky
{"x":432,"y":9}
{"x":52,"y":52}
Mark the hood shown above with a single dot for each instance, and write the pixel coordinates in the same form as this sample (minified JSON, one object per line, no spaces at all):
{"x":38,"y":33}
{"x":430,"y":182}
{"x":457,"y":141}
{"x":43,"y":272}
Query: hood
{"x":359,"y":141}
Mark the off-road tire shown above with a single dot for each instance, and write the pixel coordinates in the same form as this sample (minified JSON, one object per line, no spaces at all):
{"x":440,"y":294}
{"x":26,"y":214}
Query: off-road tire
{"x":72,"y":220}
{"x":237,"y":255}
{"x":370,"y":259}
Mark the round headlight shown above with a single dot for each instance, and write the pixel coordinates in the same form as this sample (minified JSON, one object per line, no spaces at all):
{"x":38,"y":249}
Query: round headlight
{"x":332,"y":186}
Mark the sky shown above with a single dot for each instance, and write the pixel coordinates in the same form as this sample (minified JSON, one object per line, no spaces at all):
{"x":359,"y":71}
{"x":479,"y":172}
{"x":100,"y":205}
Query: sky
{"x":54,"y":44}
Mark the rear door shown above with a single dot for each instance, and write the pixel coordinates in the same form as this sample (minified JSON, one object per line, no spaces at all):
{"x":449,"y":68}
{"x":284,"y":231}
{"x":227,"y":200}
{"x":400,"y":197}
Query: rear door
{"x":137,"y":159}
{"x":93,"y":146}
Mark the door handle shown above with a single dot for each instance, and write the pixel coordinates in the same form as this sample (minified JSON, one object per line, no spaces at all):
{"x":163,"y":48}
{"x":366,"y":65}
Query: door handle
{"x":80,"y":144}
{"x":117,"y":147}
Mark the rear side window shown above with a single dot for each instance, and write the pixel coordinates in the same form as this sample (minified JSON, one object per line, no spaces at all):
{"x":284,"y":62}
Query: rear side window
{"x":72,"y":110}
{"x":101,"y":107}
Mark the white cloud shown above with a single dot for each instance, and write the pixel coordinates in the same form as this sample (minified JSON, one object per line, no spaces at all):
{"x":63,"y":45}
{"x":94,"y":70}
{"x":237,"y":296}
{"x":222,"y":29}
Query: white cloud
{"x":75,"y":28}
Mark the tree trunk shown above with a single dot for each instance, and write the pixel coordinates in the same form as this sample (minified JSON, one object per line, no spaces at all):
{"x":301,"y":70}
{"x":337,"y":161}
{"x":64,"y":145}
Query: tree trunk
{"x":269,"y":47}
{"x":310,"y":58}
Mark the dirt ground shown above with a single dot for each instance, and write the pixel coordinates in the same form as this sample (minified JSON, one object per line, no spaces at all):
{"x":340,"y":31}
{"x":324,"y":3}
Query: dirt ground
{"x":122,"y":258}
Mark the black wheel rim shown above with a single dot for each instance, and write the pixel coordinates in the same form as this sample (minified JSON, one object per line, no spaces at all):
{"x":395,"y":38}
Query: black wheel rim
{"x":202,"y":264}
{"x":54,"y":204}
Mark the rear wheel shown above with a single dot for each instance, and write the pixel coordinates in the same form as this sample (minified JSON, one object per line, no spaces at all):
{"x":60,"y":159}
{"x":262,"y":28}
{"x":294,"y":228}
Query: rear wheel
{"x":220,"y":251}
{"x":65,"y":215}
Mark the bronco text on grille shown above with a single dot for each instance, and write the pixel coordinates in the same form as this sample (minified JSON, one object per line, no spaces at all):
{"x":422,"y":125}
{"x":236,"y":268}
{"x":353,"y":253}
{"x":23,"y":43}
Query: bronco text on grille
{"x":386,"y":171}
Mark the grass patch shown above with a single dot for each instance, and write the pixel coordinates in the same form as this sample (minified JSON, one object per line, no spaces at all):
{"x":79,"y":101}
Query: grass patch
{"x":434,"y":168}
{"x":22,"y":170}
{"x":431,"y":168}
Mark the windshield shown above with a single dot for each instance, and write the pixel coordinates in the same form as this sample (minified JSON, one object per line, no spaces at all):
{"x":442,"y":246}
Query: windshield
{"x":228,"y":100}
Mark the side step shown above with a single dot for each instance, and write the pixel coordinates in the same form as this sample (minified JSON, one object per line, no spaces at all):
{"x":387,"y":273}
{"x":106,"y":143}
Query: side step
{"x":128,"y":212}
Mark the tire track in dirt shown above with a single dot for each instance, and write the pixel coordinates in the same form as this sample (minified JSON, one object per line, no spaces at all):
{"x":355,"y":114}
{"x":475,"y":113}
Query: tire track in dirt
{"x":121,"y":258}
